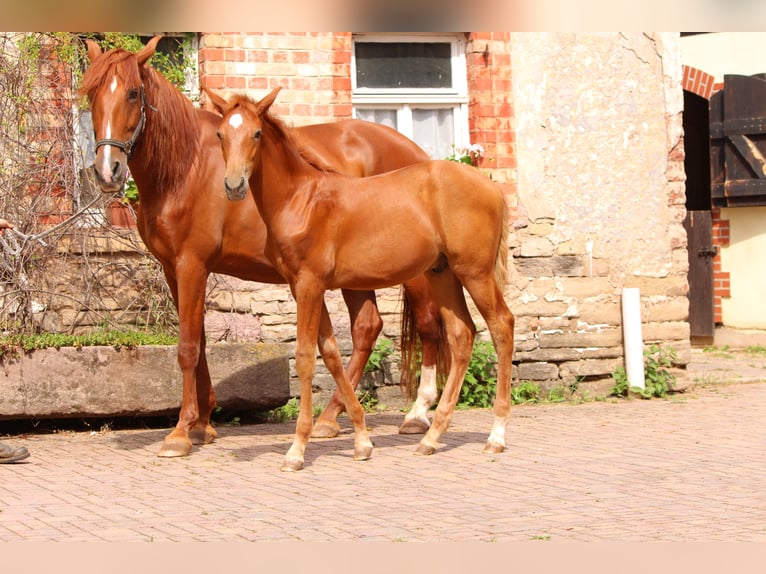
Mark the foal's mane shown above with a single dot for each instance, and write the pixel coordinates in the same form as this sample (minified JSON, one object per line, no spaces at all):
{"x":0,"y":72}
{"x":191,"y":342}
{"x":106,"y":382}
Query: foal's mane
{"x":284,"y":132}
{"x":171,"y":138}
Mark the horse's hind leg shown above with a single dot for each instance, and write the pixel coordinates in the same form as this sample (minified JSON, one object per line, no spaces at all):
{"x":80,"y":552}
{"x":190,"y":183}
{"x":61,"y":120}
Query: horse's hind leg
{"x":500,"y":322}
{"x":366,"y":325}
{"x":421,"y":311}
{"x":460,"y":332}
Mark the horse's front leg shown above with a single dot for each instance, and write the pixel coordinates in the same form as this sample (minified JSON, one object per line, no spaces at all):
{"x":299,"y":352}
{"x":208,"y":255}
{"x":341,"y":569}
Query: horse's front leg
{"x":203,"y":432}
{"x":366,"y":325}
{"x":328,"y":347}
{"x":314,"y":325}
{"x":188,"y":284}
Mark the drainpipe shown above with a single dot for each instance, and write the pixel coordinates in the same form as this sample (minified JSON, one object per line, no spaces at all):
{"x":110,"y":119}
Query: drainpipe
{"x":632,"y":339}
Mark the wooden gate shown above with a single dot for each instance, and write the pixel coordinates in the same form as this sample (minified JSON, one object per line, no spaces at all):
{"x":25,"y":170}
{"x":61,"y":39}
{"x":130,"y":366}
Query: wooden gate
{"x":738,"y":142}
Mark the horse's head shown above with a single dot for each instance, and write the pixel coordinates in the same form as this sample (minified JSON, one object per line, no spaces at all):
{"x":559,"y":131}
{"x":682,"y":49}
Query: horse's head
{"x":240,"y":135}
{"x":114,"y":87}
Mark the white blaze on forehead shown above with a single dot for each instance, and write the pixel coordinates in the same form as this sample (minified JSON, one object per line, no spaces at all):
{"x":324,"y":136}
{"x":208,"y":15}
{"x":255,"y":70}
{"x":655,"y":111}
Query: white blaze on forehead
{"x":235,"y":120}
{"x":113,"y":85}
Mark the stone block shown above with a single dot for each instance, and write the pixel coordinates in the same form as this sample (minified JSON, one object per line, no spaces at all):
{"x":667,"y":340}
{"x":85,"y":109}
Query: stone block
{"x":537,"y":371}
{"x":605,"y":338}
{"x":589,"y":368}
{"x":146,"y":380}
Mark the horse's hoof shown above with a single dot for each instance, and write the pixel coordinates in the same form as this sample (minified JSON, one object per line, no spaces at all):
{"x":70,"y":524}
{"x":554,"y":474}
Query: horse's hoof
{"x":424,"y":449}
{"x":414,"y":426}
{"x":364,"y":453}
{"x":175,"y":447}
{"x":202,"y":434}
{"x":324,"y":429}
{"x":291,"y":465}
{"x":493,"y":448}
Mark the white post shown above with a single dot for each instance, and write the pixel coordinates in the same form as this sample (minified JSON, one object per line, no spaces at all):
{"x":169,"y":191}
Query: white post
{"x":632,"y":339}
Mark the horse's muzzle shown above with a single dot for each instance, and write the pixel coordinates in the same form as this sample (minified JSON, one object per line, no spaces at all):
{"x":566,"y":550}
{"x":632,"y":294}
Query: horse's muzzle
{"x":235,"y":192}
{"x":110,"y":184}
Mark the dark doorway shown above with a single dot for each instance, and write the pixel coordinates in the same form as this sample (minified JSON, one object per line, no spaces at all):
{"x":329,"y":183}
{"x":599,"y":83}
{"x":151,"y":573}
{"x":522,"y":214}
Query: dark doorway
{"x":698,"y":222}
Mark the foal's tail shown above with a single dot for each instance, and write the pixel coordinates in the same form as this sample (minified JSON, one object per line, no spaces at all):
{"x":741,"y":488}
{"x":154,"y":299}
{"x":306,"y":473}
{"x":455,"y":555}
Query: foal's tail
{"x":501,"y":261}
{"x":412,"y":352}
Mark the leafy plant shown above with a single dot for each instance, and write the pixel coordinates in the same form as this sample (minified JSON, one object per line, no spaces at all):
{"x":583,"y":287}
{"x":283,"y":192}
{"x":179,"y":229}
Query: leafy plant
{"x":383,"y":349}
{"x":478,"y":388}
{"x":287,"y":412}
{"x":130,"y":195}
{"x":526,"y":392}
{"x":175,"y":66}
{"x":557,"y":395}
{"x":657,"y":377}
{"x":368,"y":400}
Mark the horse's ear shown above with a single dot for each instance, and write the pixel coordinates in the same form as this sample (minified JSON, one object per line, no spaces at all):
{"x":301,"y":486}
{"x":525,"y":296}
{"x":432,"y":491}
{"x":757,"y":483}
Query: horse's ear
{"x":94,"y":50}
{"x":147,"y":51}
{"x":218,"y":101}
{"x":266,"y":102}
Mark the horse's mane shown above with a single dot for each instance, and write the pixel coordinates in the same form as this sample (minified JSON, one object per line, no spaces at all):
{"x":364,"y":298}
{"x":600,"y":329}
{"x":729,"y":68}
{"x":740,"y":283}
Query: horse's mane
{"x":171,"y":136}
{"x":283,"y":131}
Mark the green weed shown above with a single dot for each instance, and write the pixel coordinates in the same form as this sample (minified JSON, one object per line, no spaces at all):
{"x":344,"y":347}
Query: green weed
{"x":478,"y":390}
{"x":383,"y":349}
{"x":657,"y":378}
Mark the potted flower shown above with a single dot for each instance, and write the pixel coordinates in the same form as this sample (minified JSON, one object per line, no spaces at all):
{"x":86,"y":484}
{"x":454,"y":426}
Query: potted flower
{"x":469,"y":155}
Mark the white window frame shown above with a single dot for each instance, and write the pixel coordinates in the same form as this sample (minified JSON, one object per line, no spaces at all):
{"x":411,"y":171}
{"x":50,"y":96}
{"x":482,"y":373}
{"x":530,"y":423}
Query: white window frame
{"x":403,"y":100}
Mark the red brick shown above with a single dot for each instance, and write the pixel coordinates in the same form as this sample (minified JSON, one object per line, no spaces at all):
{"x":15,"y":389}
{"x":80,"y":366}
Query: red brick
{"x":234,"y":55}
{"x":236,"y":82}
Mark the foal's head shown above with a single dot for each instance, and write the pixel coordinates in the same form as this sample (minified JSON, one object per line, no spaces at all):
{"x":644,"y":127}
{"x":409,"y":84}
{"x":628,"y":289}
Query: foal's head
{"x":240,"y":134}
{"x":114,"y":88}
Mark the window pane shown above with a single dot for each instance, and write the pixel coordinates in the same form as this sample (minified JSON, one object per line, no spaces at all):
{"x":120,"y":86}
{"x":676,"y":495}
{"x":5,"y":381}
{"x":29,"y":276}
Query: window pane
{"x":385,"y":117}
{"x":403,"y":65}
{"x":433,"y":130}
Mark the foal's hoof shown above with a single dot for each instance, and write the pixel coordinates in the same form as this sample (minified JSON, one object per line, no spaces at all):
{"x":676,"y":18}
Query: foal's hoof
{"x":291,"y":465}
{"x":414,"y":426}
{"x":202,"y":434}
{"x":363,"y":453}
{"x":175,"y":446}
{"x":325,"y":429}
{"x":493,"y":448}
{"x":424,"y":449}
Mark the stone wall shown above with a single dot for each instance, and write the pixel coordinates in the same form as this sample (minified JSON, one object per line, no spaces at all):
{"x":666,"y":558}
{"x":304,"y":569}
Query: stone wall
{"x":601,"y":199}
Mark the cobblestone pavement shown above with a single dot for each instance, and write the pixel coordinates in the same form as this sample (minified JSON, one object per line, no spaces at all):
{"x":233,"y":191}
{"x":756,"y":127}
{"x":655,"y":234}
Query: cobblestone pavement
{"x":688,"y":468}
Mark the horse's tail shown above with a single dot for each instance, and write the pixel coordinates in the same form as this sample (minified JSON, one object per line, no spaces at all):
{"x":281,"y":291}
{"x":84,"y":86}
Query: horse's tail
{"x":411,"y":349}
{"x":501,"y":261}
{"x":412,"y":352}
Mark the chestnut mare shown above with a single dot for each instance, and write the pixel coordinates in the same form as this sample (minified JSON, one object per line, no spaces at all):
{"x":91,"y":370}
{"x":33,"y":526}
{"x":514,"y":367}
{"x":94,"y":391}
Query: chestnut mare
{"x":326,"y":231}
{"x":141,"y":120}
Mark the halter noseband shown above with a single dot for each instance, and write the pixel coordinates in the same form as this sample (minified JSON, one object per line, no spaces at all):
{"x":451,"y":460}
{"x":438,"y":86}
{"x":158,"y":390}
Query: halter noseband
{"x":127,"y":146}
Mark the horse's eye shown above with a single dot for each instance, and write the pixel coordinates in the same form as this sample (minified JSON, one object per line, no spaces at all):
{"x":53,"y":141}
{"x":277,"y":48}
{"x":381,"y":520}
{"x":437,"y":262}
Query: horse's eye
{"x":133,"y":94}
{"x":257,"y":135}
{"x":219,"y":135}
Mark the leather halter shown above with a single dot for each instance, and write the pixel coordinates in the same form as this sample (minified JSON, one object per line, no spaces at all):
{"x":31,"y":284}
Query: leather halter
{"x":128,"y":146}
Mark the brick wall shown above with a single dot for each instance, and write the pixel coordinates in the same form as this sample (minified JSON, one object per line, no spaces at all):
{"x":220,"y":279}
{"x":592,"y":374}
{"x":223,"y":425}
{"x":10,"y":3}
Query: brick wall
{"x":490,"y":108}
{"x":313,"y":69}
{"x":721,"y":278}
